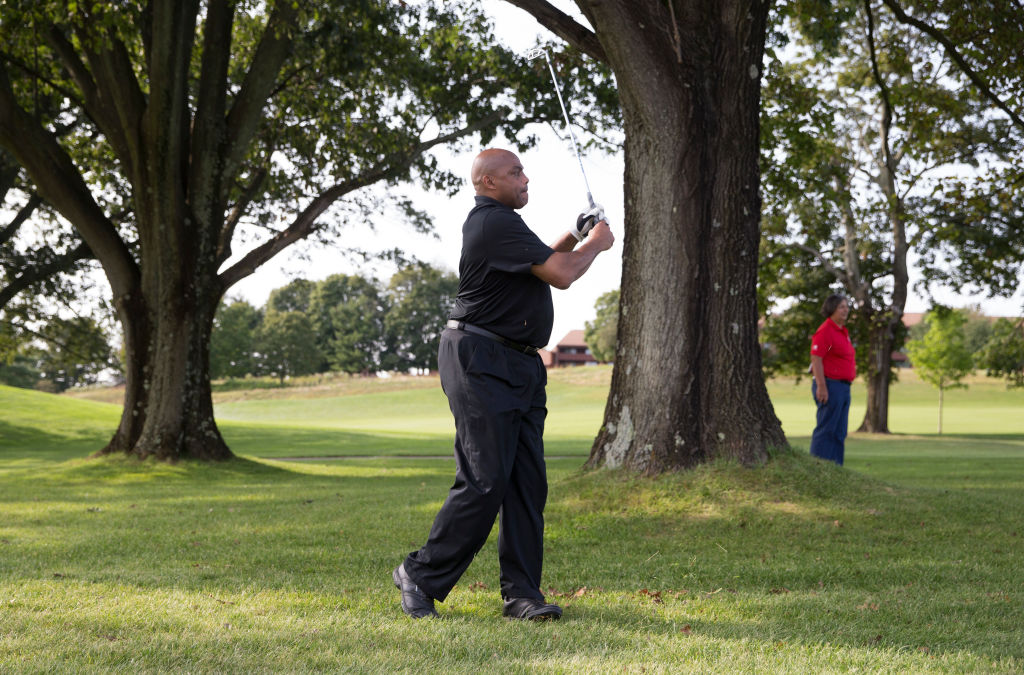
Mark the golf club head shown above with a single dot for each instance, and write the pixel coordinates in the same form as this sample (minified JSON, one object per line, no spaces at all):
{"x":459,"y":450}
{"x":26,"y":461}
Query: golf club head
{"x":535,"y":53}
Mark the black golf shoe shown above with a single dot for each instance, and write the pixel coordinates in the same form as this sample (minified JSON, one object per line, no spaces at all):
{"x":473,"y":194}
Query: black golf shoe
{"x":531,"y":608}
{"x":415,"y":602}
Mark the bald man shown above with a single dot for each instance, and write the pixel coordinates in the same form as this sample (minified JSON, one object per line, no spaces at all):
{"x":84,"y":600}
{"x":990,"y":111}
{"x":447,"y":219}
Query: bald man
{"x":495,"y":383}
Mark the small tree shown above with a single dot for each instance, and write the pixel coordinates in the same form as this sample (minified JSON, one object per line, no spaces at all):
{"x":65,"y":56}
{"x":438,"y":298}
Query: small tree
{"x":1003,"y":355}
{"x":348,"y":318}
{"x":419,"y":298}
{"x":287,"y":345}
{"x":69,"y":353}
{"x":19,"y":370}
{"x":941,"y":357}
{"x":601,"y":334}
{"x":232,"y":342}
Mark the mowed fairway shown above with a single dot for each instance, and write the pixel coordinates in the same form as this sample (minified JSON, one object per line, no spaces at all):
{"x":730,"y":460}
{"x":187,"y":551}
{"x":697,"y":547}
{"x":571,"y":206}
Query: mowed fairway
{"x":414,"y":421}
{"x":417,"y":422}
{"x":905,"y":561}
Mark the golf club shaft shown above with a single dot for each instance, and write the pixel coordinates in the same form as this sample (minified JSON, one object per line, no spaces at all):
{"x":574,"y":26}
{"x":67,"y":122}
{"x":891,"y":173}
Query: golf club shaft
{"x":568,"y":126}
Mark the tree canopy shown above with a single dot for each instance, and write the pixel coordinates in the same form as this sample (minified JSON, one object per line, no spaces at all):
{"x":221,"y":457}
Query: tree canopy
{"x":213,"y":135}
{"x":1003,"y":354}
{"x":876,"y":149}
{"x":233,"y":341}
{"x":358,"y":325}
{"x":419,"y":298}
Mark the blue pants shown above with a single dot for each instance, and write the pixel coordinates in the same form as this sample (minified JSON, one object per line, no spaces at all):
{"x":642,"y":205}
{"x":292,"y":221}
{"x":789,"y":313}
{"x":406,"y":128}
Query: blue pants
{"x":833,"y":416}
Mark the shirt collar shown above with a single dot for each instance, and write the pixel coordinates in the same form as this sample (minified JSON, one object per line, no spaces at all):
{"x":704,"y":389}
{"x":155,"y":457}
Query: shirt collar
{"x":482,"y":200}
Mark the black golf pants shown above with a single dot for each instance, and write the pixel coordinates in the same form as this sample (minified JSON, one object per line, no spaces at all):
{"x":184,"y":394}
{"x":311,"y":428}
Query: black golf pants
{"x":497,"y":397}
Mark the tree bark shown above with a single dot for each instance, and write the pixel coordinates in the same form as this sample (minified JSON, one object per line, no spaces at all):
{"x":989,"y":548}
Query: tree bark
{"x":879,"y":372}
{"x":687,"y":386}
{"x":168,"y":408}
{"x":179,"y":416}
{"x":883,"y":324}
{"x":131,"y":312}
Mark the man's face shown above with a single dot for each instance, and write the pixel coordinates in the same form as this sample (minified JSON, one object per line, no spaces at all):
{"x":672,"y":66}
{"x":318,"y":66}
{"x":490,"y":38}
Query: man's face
{"x":509,"y":183}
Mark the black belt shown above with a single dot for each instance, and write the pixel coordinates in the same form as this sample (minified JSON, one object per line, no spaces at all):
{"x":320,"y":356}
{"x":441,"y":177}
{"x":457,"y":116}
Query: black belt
{"x":476,"y":330}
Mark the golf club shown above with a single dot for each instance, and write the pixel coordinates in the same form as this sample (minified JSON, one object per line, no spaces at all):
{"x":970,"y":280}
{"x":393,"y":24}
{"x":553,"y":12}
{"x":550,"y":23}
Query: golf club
{"x":537,"y":53}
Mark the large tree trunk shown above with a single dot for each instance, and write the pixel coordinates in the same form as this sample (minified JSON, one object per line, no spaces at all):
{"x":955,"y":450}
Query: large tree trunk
{"x":168,"y":408}
{"x":131,"y":310}
{"x":687,"y":386}
{"x":179,"y":418}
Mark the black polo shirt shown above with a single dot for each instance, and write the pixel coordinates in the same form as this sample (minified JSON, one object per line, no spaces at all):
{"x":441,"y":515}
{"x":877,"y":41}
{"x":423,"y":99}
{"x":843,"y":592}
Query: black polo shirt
{"x":497,"y":291}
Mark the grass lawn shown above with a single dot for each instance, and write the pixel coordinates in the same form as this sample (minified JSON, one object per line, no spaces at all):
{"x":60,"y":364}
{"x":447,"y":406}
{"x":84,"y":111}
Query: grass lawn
{"x":907,"y":560}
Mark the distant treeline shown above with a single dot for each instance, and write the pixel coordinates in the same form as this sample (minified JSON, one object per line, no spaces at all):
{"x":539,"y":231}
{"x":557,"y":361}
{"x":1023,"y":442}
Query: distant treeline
{"x":345,"y":323}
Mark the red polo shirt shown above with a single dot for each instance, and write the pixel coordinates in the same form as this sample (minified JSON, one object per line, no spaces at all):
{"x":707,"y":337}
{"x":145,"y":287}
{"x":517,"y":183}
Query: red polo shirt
{"x":832,"y":343}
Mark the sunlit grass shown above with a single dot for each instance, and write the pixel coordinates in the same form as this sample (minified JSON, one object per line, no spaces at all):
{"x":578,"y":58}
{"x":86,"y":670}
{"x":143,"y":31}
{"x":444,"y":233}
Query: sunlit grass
{"x":409,"y":415}
{"x":796,"y":567}
{"x":907,"y":560}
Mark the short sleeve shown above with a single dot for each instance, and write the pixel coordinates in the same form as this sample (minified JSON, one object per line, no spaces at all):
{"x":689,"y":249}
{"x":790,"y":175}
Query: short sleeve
{"x":820,"y":343}
{"x":512,"y":246}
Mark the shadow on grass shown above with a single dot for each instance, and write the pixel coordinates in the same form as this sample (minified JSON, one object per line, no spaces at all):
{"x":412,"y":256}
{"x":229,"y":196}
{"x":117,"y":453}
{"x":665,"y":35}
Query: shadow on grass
{"x":124,"y":471}
{"x":30,"y":443}
{"x":798,"y":551}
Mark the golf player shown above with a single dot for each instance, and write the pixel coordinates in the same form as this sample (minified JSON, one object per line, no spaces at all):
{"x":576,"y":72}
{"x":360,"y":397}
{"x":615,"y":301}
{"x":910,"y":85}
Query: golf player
{"x":494,"y":380}
{"x":834,"y":368}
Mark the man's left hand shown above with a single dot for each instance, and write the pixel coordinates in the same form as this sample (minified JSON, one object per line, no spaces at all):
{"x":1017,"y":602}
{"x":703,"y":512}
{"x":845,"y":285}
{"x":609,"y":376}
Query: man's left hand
{"x":586,"y":221}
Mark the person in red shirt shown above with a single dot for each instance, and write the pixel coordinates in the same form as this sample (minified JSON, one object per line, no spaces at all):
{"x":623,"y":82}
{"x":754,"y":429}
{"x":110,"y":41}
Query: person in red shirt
{"x":833,"y":363}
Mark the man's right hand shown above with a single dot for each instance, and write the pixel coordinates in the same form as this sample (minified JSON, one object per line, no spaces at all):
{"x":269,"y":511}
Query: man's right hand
{"x":565,"y":266}
{"x":601,"y":236}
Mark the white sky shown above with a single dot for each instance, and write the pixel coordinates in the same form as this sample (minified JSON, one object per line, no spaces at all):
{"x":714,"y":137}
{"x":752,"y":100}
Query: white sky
{"x":557,"y":195}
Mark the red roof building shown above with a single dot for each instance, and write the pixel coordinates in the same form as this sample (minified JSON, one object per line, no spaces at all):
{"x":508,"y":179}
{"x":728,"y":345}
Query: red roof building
{"x":572,"y":350}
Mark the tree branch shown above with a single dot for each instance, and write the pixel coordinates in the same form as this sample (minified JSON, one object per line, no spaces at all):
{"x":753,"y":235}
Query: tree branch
{"x":955,"y":55}
{"x":894,"y":210}
{"x":890,"y":164}
{"x":64,"y":91}
{"x":840,"y":275}
{"x":121,"y":97}
{"x":305,"y":223}
{"x":851,"y":279}
{"x":34,"y":275}
{"x":61,"y":184}
{"x":92,"y":100}
{"x":208,"y":135}
{"x":260,"y":80}
{"x":564,"y":26}
{"x":19,"y":219}
{"x":237,"y":211}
